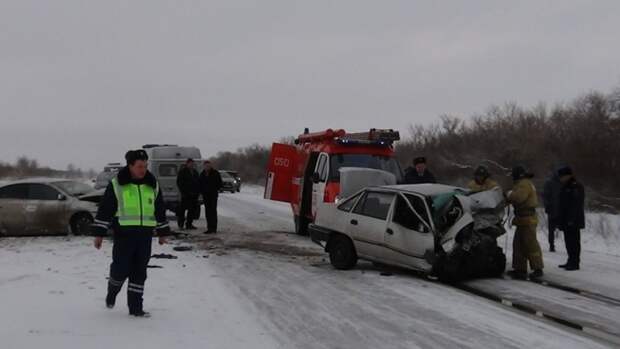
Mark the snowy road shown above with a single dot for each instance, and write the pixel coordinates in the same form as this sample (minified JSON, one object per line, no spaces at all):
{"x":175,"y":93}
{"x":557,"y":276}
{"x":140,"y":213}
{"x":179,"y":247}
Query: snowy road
{"x":255,"y":285}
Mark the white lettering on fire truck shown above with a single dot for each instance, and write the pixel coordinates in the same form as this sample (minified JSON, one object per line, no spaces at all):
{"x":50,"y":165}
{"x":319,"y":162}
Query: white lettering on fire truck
{"x":281,"y":162}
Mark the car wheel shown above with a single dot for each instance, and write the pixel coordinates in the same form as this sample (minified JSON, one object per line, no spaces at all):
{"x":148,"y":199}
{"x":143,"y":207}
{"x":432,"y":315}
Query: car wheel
{"x":301,"y":225}
{"x":342,"y":253}
{"x":80,"y":223}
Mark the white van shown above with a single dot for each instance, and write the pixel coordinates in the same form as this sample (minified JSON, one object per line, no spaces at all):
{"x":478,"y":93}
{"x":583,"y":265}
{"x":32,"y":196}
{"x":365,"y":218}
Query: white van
{"x":165,"y":160}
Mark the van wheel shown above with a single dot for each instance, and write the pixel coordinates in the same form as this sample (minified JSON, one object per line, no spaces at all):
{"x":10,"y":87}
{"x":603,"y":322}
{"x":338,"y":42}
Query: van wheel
{"x":80,"y":223}
{"x":301,"y":225}
{"x":342,"y":253}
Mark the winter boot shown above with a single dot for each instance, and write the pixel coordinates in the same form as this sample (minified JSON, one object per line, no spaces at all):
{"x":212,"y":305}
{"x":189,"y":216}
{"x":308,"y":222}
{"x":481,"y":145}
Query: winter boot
{"x":518,"y":275}
{"x":536,"y":274}
{"x":572,"y":267}
{"x":140,"y":313}
{"x":110,"y":300}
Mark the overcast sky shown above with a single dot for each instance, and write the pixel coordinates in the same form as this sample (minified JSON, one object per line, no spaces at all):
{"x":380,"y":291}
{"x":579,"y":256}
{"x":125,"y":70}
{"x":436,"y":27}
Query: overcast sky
{"x":82,"y":81}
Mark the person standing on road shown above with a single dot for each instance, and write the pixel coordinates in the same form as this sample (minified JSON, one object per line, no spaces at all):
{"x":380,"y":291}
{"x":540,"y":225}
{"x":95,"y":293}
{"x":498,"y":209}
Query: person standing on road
{"x":482,"y":180}
{"x":551,"y":200}
{"x":210,"y":185}
{"x":133,"y":207}
{"x":525,"y":246}
{"x":189,"y":187}
{"x":418,"y":173}
{"x":572,"y":216}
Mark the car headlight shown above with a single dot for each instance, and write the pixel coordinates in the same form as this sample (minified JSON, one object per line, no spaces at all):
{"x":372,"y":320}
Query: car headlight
{"x":448,"y":245}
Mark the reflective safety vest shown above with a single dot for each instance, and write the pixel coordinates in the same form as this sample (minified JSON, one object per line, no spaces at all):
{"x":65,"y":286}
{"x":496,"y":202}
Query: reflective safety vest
{"x":136,"y":204}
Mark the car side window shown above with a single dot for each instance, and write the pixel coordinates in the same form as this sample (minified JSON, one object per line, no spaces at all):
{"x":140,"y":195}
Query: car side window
{"x":42,"y":192}
{"x":348,"y":205}
{"x":15,"y":191}
{"x":404,"y":216}
{"x":375,"y":205}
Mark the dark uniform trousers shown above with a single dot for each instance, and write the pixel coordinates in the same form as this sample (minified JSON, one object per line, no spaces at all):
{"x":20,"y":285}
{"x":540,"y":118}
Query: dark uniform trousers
{"x":210,"y":201}
{"x":572,"y":239}
{"x":130,"y":258}
{"x":551,"y":228}
{"x":190,"y":205}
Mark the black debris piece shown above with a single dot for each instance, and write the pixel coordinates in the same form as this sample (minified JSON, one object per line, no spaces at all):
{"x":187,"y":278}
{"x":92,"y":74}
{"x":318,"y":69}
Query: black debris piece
{"x":164,"y":256}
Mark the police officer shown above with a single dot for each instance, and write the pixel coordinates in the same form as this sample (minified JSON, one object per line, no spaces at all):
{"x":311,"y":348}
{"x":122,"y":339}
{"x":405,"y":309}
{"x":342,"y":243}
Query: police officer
{"x":482,"y":180}
{"x":572,"y":216}
{"x":419,"y":173}
{"x":133,"y":207}
{"x":525,"y":246}
{"x":210,"y":185}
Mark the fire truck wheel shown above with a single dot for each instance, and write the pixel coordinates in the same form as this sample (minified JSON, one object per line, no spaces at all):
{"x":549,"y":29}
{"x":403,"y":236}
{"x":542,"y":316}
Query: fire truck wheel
{"x":301,"y":225}
{"x":342,"y":253}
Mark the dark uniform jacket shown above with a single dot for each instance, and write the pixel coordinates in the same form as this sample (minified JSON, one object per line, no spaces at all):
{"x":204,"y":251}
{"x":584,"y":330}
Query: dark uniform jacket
{"x":188,"y":182}
{"x":412,"y":176}
{"x":551,"y":197}
{"x":106,"y":214}
{"x":210,"y":183}
{"x":572,"y":199}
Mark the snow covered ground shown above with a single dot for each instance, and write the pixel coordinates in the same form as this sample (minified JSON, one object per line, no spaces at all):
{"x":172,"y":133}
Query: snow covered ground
{"x":257,"y":285}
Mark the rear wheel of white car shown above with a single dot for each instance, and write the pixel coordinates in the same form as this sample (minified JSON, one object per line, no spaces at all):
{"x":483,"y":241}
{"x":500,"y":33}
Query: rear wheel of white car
{"x":342,"y":253}
{"x":80,"y":223}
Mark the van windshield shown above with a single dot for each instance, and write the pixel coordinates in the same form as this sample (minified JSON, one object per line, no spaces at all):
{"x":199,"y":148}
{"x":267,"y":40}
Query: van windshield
{"x":168,"y":170}
{"x":377,"y":162}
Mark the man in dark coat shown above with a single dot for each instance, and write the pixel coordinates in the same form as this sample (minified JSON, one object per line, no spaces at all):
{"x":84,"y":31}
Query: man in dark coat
{"x":551,"y":199}
{"x":418,"y":173}
{"x":189,"y":187}
{"x":572,"y":216}
{"x":210,"y":185}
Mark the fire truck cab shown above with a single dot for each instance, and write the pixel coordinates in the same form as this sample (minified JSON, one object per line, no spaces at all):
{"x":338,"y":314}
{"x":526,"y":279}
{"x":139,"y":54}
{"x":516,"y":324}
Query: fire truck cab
{"x":307,"y":174}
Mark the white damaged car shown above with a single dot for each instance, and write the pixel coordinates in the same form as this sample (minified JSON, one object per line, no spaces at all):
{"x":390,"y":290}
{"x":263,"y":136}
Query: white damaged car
{"x":437,"y":229}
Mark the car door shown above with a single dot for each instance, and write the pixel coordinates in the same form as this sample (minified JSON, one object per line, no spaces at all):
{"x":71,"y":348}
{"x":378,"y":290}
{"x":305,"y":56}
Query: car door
{"x":12,"y":214}
{"x":368,"y":222}
{"x":319,"y":177}
{"x":45,"y":209}
{"x":281,"y":172}
{"x":408,"y":235}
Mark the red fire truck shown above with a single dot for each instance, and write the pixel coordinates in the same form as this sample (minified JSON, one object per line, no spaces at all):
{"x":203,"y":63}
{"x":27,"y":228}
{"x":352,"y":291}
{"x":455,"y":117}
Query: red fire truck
{"x":307,"y":174}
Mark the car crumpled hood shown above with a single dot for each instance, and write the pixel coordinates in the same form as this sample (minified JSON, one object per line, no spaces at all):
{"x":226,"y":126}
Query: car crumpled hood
{"x":483,"y":209}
